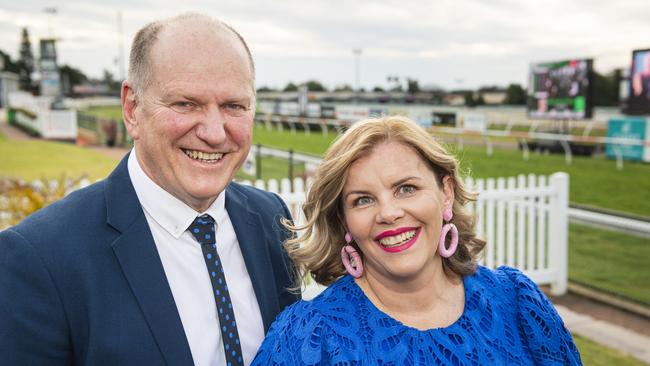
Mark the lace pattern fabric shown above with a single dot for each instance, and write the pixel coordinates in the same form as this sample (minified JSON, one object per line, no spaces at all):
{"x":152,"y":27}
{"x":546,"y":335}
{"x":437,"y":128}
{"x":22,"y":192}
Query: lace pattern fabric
{"x":507,"y":320}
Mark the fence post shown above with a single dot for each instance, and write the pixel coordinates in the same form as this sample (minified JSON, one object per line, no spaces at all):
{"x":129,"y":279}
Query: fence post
{"x":258,"y":162}
{"x":558,"y":237}
{"x":291,"y":168}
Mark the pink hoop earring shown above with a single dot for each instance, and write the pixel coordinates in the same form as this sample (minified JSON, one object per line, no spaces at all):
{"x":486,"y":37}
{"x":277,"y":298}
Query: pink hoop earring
{"x":350,"y":258}
{"x":447,"y":215}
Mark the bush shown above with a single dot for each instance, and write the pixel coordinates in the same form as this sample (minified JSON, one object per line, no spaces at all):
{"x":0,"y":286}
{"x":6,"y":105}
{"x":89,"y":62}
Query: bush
{"x":19,"y":199}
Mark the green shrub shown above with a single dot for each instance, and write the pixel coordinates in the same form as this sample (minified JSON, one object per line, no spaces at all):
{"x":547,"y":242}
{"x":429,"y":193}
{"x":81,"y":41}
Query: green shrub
{"x":19,"y":199}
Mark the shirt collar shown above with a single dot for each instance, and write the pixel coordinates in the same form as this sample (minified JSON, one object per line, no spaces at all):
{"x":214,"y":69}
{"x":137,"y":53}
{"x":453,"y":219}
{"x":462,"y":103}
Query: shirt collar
{"x":169,"y":212}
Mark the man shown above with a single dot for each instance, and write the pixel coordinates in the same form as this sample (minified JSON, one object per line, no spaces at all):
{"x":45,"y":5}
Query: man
{"x":128,"y":271}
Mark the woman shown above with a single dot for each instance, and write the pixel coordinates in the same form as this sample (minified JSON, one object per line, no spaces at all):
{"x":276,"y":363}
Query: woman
{"x":386,"y":206}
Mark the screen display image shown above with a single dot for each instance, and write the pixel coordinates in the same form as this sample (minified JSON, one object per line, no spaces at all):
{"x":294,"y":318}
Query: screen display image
{"x":560,"y":90}
{"x":638,"y":102}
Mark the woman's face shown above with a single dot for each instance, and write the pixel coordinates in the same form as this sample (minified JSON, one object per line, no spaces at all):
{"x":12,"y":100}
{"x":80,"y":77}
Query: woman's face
{"x":393,"y":207}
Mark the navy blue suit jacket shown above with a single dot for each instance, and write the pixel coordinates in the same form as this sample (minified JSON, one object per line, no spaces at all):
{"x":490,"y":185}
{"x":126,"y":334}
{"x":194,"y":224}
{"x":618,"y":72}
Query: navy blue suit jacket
{"x":81,"y":282}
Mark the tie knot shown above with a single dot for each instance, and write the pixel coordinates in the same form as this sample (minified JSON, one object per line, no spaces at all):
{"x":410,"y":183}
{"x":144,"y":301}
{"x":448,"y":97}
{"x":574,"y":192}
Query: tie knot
{"x":203,"y":229}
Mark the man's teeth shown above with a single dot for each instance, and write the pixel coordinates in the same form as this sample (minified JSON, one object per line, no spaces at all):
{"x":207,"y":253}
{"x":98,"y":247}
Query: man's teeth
{"x":203,"y":156}
{"x":393,"y":241}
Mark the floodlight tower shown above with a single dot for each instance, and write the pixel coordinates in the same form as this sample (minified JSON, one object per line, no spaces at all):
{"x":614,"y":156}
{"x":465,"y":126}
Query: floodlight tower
{"x":50,"y":11}
{"x":357,"y":71}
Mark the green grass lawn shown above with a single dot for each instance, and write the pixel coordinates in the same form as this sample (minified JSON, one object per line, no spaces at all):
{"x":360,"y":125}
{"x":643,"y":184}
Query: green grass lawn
{"x":274,"y":168}
{"x":35,"y":159}
{"x":114,"y":112}
{"x":610,"y":261}
{"x":525,"y":128}
{"x":594,"y":354}
{"x":314,"y":143}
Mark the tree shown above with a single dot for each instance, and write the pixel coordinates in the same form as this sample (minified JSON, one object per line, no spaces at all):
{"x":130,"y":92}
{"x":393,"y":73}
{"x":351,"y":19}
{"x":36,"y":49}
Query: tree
{"x":109,"y":80}
{"x":265,"y":88}
{"x":605,"y":88}
{"x":515,"y":95}
{"x":25,"y":62}
{"x":378,"y":89}
{"x":291,"y":87}
{"x":412,"y":86}
{"x":343,"y":88}
{"x":314,"y":85}
{"x":70,"y":77}
{"x":489,"y":88}
{"x":8,"y":64}
{"x":74,"y":75}
{"x":472,"y":99}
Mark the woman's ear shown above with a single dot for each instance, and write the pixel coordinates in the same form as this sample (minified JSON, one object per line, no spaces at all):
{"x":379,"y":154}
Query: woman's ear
{"x":448,"y":190}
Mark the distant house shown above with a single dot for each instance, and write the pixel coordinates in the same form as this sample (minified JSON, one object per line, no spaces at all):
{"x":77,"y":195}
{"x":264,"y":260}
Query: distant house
{"x":493,"y":96}
{"x":454,"y":99}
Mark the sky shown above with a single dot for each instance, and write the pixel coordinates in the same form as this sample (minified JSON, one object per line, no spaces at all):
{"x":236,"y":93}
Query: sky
{"x":453,"y":44}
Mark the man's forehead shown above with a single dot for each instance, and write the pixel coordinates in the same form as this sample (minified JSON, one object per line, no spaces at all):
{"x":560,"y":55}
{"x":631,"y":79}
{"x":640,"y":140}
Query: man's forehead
{"x":176,"y":41}
{"x":188,"y":34}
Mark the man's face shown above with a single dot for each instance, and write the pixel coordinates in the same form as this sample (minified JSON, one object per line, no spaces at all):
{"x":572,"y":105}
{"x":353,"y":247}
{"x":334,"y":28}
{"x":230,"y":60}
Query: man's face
{"x":193,"y":124}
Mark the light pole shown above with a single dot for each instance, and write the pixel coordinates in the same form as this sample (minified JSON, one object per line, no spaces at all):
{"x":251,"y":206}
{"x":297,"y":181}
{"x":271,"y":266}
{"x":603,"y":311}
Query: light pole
{"x":357,"y":69}
{"x":120,"y":51}
{"x":50,"y":11}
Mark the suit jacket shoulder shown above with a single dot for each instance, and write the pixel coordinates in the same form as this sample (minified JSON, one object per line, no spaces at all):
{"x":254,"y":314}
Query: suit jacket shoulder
{"x":257,"y":219}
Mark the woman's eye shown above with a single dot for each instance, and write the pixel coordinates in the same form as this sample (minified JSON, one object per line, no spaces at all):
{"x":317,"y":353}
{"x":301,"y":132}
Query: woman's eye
{"x":406,"y":189}
{"x":362,"y":201}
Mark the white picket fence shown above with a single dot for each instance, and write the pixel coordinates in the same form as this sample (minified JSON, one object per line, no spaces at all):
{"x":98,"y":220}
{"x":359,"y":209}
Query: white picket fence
{"x":524,"y":221}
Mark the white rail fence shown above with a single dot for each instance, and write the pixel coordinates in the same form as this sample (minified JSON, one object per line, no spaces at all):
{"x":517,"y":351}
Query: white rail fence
{"x":524,"y":220}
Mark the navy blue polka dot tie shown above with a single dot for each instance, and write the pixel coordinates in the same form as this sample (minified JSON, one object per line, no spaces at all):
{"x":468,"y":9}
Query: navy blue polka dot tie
{"x":203,"y":230}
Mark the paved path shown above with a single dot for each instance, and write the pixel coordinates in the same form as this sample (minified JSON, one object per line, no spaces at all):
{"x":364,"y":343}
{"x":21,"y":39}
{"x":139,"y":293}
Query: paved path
{"x":9,"y":131}
{"x":611,"y":335}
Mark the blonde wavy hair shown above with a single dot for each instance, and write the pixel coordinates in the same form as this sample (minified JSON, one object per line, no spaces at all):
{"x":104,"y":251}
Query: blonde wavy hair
{"x":316,"y":245}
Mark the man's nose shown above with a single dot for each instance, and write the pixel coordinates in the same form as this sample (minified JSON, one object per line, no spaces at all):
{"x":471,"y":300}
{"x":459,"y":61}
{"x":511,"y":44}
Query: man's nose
{"x":212,"y":128}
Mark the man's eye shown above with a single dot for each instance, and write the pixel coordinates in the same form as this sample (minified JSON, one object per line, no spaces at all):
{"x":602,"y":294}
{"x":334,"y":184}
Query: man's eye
{"x":235,"y":109}
{"x":183,"y":106}
{"x":235,"y":106}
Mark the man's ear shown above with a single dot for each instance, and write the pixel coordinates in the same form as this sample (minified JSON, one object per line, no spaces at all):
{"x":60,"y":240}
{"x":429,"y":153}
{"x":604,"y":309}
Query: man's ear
{"x":129,"y":105}
{"x":448,"y":190}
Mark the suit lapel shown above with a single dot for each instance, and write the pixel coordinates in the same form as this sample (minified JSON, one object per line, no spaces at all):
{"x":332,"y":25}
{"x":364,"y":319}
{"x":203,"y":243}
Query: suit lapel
{"x":252,"y":241}
{"x":137,"y":255}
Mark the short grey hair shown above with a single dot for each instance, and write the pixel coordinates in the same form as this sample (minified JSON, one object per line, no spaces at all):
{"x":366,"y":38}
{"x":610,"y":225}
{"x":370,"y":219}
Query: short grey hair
{"x":139,"y":68}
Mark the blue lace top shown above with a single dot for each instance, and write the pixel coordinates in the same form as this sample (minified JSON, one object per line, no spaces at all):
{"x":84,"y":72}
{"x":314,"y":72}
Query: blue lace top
{"x":507,"y":320}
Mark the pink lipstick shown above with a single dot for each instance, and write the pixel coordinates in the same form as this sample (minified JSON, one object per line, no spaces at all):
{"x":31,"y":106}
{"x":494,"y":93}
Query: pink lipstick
{"x":401,"y":247}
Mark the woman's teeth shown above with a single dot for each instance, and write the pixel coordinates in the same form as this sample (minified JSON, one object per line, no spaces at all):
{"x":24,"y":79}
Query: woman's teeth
{"x":396,"y":240}
{"x":203,"y":156}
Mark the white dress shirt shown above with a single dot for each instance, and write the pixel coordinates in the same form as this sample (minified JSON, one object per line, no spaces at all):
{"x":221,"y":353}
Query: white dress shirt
{"x":186,"y":272}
